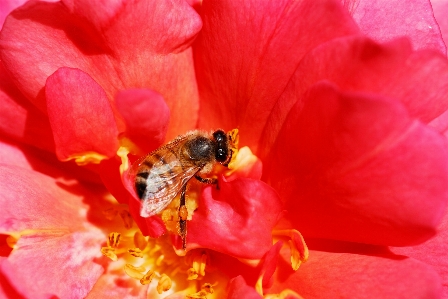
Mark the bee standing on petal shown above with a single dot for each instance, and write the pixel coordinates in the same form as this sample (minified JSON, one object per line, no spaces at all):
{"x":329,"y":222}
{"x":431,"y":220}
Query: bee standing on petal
{"x":161,"y":175}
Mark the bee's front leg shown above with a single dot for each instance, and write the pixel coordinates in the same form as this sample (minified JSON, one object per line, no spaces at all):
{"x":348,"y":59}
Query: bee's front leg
{"x":210,"y":181}
{"x":183,"y":214}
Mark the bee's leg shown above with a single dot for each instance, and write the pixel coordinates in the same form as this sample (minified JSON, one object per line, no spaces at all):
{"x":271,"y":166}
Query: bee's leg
{"x":183,"y":214}
{"x":211,"y":181}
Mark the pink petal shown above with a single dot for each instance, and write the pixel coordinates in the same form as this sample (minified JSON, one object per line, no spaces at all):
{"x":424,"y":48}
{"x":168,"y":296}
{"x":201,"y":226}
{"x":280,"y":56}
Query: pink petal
{"x":40,"y":257}
{"x":247,"y":51}
{"x":357,"y":168}
{"x":80,"y":115}
{"x":433,"y":252}
{"x":440,"y":8}
{"x":6,"y":289}
{"x":31,"y":200}
{"x":237,"y":288}
{"x":236,"y":220}
{"x":326,"y":274}
{"x":146,"y":116}
{"x":418,"y":79}
{"x":8,"y":6}
{"x":125,"y":45}
{"x":19,"y":119}
{"x":385,"y":20}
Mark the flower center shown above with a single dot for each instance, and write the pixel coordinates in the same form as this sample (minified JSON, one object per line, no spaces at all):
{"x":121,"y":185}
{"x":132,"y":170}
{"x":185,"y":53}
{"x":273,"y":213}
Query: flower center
{"x":155,"y":262}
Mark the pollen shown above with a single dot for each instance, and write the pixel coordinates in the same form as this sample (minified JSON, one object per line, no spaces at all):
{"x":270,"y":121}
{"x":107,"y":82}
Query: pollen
{"x":183,"y":213}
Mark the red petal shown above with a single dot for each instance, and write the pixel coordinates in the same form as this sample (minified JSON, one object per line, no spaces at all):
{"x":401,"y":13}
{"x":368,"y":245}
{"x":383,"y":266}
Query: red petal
{"x":44,"y":162}
{"x":418,"y":79}
{"x":247,"y":52}
{"x":358,"y":276}
{"x":357,"y":168}
{"x":236,"y":220}
{"x":434,"y":253}
{"x":21,"y":120}
{"x":80,"y":115}
{"x":115,"y":44}
{"x":270,"y":262}
{"x":237,"y":289}
{"x":32,"y":266}
{"x":146,"y":116}
{"x":385,"y":20}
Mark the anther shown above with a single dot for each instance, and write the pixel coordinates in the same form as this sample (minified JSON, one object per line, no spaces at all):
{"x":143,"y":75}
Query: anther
{"x":206,"y":289}
{"x":127,"y":219}
{"x":136,"y":252}
{"x":114,"y":239}
{"x":147,"y":278}
{"x":140,"y":241}
{"x":164,"y":284}
{"x":110,"y":213}
{"x":134,"y":272}
{"x":109,"y":252}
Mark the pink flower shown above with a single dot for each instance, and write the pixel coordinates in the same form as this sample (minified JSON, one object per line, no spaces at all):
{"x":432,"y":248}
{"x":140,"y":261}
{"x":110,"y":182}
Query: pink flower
{"x":343,"y":113}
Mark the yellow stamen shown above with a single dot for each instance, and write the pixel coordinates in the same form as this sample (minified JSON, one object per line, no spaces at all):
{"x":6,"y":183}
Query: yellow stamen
{"x":114,"y":239}
{"x":198,"y":260}
{"x":86,"y":158}
{"x":164,"y":284}
{"x":134,"y":272}
{"x":299,"y":250}
{"x":109,"y":252}
{"x":148,"y":277}
{"x":123,"y":154}
{"x":244,"y":159}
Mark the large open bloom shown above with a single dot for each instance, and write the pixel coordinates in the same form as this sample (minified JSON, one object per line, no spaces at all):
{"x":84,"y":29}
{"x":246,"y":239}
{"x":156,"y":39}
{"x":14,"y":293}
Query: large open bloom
{"x":341,"y":111}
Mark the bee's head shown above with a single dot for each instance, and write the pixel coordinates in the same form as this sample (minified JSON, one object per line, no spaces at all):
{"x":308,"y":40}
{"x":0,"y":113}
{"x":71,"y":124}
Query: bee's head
{"x":222,"y":153}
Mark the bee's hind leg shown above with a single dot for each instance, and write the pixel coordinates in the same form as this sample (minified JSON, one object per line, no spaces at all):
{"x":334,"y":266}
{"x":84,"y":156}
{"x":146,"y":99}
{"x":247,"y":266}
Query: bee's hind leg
{"x":183,"y":214}
{"x":210,"y":181}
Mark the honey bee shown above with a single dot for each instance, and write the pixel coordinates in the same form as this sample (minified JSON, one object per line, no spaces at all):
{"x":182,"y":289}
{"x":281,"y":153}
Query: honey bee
{"x":162,"y":174}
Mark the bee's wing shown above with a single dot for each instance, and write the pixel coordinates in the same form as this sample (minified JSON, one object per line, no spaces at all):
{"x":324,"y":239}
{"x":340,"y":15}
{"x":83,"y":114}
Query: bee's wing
{"x":159,"y":183}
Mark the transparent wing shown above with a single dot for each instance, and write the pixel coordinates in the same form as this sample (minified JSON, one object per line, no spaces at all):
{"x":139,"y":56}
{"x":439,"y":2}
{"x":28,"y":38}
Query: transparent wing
{"x":159,"y":177}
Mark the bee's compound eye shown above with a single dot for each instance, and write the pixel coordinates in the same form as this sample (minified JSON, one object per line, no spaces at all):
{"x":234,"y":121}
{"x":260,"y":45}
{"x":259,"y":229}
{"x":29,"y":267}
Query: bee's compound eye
{"x":221,"y":155}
